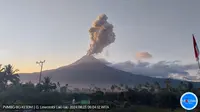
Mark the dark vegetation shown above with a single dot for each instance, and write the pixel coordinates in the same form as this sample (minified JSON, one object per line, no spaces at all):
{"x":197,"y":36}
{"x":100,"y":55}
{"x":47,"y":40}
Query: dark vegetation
{"x":120,"y":97}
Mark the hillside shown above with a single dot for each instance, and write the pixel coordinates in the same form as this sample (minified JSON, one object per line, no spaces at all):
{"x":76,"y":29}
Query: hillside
{"x":89,"y":70}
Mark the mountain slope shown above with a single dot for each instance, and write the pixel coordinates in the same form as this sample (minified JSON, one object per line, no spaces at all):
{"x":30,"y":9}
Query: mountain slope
{"x":89,"y":70}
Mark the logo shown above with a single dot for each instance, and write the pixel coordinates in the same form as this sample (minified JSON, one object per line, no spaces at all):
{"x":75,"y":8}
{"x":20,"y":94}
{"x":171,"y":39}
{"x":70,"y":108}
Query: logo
{"x":189,"y":101}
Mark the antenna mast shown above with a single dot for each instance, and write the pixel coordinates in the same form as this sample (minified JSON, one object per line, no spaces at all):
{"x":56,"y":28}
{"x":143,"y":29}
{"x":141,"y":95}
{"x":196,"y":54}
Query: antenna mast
{"x":40,"y":63}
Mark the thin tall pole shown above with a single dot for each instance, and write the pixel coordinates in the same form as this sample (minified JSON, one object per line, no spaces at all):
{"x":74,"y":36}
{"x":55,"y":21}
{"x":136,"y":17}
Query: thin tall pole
{"x":41,"y":65}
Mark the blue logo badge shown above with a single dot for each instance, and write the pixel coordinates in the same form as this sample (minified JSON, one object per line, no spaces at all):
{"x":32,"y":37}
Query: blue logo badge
{"x":189,"y":101}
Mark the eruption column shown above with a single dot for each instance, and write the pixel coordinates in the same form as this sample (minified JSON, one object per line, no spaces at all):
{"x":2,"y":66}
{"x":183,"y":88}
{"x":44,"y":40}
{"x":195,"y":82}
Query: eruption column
{"x":101,"y":35}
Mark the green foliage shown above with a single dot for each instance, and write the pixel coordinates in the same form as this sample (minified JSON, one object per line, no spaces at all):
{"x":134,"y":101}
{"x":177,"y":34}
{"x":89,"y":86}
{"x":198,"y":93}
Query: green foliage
{"x":8,"y":75}
{"x":47,"y":85}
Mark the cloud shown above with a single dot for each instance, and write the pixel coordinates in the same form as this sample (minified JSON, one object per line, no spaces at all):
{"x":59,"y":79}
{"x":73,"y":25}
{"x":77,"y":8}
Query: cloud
{"x":161,"y":69}
{"x":143,"y":55}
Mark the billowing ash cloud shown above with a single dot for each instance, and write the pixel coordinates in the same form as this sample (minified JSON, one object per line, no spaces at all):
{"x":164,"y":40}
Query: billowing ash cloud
{"x":143,"y":55}
{"x":161,"y":69}
{"x":101,"y":35}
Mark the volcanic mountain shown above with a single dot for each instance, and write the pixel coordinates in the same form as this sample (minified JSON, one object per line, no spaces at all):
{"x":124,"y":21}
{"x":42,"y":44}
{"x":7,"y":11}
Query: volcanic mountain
{"x":89,"y":70}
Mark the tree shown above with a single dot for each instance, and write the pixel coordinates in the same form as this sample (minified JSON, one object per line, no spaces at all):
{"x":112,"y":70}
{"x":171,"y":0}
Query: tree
{"x":112,"y":88}
{"x":98,"y":95}
{"x":47,"y":85}
{"x":156,"y":86}
{"x":167,"y":99}
{"x":63,"y":89}
{"x":67,"y":85}
{"x":8,"y":75}
{"x":126,"y":87}
{"x":1,"y":69}
{"x":149,"y":87}
{"x":183,"y":87}
{"x":104,"y":89}
{"x":58,"y":84}
{"x":190,"y":86}
{"x":168,"y":82}
{"x":139,"y":87}
{"x":97,"y":89}
{"x":76,"y":90}
{"x":122,"y":87}
{"x":118,"y":88}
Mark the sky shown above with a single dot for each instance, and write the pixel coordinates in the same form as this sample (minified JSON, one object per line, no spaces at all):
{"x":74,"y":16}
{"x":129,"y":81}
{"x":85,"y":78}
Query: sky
{"x":57,"y":30}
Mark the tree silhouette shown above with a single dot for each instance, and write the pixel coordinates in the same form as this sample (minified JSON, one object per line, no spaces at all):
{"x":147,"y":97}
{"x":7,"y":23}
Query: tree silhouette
{"x":47,"y":85}
{"x":126,"y":87}
{"x":112,"y":88}
{"x":183,"y":87}
{"x":8,"y":75}
{"x":63,"y":89}
{"x":156,"y":86}
{"x":58,"y":84}
{"x":167,"y":83}
{"x":190,"y":86}
{"x":67,"y":85}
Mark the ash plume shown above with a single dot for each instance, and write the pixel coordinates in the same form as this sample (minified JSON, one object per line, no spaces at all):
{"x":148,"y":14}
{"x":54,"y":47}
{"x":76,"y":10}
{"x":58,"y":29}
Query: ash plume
{"x":101,"y":35}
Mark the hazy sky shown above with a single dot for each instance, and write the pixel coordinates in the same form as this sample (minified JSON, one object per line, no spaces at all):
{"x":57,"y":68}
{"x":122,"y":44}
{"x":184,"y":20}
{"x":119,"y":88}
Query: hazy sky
{"x":57,"y":30}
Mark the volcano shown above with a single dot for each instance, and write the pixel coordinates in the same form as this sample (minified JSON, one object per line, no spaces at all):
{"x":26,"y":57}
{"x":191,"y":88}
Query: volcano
{"x":89,"y":70}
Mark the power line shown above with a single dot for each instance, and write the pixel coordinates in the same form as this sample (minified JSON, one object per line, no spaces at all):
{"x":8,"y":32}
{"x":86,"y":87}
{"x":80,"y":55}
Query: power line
{"x":41,"y":65}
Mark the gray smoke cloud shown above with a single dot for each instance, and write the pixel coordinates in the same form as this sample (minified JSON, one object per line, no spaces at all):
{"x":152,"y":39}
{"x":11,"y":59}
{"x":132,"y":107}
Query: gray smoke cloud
{"x":101,"y":35}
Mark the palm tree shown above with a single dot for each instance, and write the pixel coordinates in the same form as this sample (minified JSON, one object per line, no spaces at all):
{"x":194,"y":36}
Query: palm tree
{"x":1,"y":69}
{"x":8,"y":75}
{"x":112,"y":88}
{"x":47,"y":85}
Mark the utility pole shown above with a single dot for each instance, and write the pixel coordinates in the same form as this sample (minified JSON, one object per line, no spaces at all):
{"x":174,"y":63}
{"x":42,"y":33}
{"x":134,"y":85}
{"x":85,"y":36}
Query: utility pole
{"x":40,"y":63}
